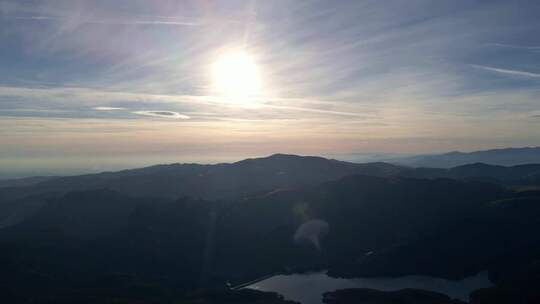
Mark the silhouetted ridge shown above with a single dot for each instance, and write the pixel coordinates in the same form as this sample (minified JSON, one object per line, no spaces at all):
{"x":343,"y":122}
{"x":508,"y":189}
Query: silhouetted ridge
{"x":105,"y":239}
{"x":211,"y":181}
{"x":504,"y":157}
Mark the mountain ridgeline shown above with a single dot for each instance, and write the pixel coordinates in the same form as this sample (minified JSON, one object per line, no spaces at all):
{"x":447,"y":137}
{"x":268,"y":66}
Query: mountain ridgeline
{"x":501,"y":157}
{"x":213,"y":181}
{"x":157,"y":234}
{"x":232,"y":180}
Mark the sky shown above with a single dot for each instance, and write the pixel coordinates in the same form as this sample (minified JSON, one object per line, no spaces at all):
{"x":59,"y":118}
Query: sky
{"x":102,"y":85}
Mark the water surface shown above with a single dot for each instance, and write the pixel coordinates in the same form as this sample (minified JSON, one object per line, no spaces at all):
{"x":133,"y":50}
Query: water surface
{"x":308,"y":288}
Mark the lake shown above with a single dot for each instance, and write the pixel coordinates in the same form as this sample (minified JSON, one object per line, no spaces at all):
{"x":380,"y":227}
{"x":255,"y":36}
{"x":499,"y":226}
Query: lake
{"x":308,"y":288}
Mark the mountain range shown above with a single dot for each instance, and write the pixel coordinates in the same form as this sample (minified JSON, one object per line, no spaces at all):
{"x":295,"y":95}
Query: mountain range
{"x":156,"y":234}
{"x":502,"y":157}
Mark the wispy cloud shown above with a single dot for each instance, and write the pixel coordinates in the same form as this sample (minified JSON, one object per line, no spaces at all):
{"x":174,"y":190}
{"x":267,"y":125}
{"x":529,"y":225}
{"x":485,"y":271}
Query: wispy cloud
{"x":157,"y":21}
{"x":507,"y":71}
{"x":162,"y":114}
{"x":108,"y":108}
{"x":512,"y":46}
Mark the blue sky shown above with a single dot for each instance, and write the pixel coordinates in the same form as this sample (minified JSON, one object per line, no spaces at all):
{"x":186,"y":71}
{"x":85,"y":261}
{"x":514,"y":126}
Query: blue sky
{"x":91,"y":85}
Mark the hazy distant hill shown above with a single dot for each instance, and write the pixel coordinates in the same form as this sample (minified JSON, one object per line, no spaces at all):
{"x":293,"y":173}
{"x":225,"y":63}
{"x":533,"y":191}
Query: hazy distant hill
{"x":216,"y":182}
{"x":504,"y":157}
{"x":236,"y":180}
{"x":212,"y":181}
{"x":25,"y":181}
{"x":512,"y":175}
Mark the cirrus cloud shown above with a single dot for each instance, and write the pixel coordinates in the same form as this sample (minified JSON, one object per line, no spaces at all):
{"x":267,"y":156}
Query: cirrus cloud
{"x":162,"y":114}
{"x":108,"y":108}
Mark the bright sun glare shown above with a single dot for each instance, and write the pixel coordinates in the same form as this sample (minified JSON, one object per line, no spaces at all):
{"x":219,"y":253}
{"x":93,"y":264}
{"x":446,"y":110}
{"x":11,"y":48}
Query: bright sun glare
{"x":235,"y":76}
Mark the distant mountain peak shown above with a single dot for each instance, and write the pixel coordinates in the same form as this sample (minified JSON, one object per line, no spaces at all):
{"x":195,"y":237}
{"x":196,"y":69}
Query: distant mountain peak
{"x":502,"y":157}
{"x":478,"y":165}
{"x":283,"y":155}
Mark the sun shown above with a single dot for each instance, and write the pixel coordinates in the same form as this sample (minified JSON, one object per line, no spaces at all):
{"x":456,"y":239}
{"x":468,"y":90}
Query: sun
{"x":235,"y":76}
